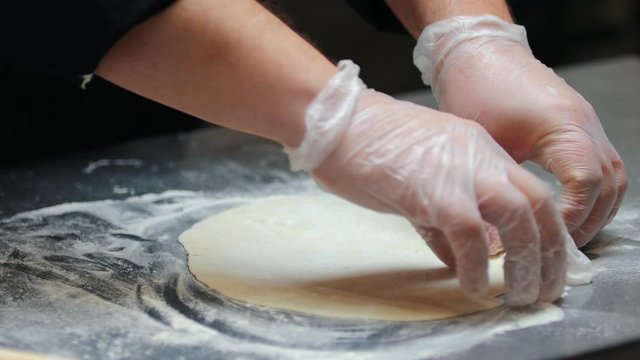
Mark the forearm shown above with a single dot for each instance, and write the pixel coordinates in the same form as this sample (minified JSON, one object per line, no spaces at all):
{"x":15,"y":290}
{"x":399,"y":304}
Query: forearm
{"x":230,"y":62}
{"x":415,"y":15}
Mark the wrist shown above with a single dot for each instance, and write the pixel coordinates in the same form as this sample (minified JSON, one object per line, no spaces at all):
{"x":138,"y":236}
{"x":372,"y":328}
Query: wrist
{"x":416,"y":15}
{"x":440,"y":39}
{"x":327,"y":117}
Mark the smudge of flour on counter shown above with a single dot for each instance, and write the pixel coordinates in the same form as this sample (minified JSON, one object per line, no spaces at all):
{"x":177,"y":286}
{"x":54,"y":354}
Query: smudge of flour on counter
{"x":121,"y":190}
{"x":94,"y":165}
{"x":108,"y":280}
{"x":542,"y":314}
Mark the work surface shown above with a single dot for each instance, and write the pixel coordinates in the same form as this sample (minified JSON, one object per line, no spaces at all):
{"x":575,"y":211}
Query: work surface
{"x":102,"y":275}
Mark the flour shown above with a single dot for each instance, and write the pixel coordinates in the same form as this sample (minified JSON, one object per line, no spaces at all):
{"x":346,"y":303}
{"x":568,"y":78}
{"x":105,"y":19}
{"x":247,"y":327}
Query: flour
{"x":108,"y":280}
{"x":94,"y":165}
{"x":627,"y":222}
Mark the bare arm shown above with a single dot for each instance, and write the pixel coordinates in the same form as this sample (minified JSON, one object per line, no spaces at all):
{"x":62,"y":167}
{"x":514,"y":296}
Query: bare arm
{"x":230,"y":62}
{"x":415,"y":15}
{"x":233,"y":63}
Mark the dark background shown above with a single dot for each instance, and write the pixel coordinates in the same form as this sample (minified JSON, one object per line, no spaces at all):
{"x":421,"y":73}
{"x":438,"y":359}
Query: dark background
{"x":44,"y":118}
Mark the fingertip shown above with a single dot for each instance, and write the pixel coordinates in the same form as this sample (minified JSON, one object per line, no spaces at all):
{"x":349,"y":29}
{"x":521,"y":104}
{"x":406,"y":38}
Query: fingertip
{"x":551,"y":295}
{"x":552,"y":288}
{"x":519,"y":298}
{"x":573,"y":213}
{"x":553,"y":272}
{"x":466,"y":235}
{"x":622,"y":182}
{"x":580,"y":237}
{"x":474,"y":281}
{"x":522,"y":281}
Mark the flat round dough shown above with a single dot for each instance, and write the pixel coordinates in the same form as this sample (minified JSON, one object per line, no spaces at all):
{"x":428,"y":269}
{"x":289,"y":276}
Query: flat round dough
{"x":322,"y":255}
{"x":8,"y":354}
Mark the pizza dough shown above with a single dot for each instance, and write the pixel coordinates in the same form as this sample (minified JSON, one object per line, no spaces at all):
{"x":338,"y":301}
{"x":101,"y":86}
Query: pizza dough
{"x":322,"y":255}
{"x":7,"y":354}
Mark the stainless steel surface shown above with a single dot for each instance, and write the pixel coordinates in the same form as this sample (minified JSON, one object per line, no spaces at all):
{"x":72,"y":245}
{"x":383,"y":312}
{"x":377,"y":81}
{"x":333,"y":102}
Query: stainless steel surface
{"x":89,"y":281}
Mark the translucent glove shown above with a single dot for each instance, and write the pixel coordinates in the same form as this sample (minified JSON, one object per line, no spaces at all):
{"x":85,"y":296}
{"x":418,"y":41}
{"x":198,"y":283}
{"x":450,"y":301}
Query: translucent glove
{"x":446,"y":175}
{"x":481,"y":68}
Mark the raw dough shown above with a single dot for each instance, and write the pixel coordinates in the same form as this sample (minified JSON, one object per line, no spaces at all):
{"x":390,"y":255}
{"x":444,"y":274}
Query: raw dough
{"x":322,"y":255}
{"x":7,"y":354}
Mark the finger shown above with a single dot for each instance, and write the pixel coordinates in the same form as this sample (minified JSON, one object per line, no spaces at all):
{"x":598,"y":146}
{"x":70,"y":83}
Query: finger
{"x":578,"y":169}
{"x":601,"y":209}
{"x":463,"y":228}
{"x":508,"y":210}
{"x":553,"y":255}
{"x":438,"y":243}
{"x":622,"y":182}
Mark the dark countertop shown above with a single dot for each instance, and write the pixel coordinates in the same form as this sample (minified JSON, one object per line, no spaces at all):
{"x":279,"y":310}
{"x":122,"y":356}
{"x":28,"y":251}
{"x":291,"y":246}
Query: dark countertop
{"x":102,"y":276}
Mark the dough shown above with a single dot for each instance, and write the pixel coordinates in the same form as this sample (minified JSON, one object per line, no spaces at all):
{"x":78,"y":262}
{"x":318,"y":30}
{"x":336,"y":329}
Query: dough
{"x":322,"y":255}
{"x":7,"y":354}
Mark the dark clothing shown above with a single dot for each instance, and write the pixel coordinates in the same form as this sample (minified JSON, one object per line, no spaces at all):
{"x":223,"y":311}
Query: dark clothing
{"x":69,"y":37}
{"x":44,"y":118}
{"x":378,"y":14}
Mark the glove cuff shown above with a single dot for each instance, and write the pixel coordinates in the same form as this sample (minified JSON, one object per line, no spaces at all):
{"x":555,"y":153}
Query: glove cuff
{"x":327,"y":118}
{"x":439,"y":39}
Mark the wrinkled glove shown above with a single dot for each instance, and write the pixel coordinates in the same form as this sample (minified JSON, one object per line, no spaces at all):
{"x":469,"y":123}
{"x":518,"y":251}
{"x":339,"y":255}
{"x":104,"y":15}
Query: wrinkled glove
{"x":481,"y":68}
{"x":446,"y":175}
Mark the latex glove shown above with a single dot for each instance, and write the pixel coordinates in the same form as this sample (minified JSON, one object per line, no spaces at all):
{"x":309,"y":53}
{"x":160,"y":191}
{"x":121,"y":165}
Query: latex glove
{"x":481,"y":68}
{"x":446,"y":175}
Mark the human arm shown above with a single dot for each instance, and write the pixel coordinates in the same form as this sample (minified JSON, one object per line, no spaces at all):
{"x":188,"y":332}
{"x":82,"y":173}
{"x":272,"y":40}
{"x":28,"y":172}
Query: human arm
{"x":236,"y":65}
{"x":228,"y":62}
{"x":481,"y":68}
{"x":416,"y":15}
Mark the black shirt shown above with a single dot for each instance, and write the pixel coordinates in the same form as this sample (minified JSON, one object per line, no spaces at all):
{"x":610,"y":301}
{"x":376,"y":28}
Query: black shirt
{"x":69,"y":37}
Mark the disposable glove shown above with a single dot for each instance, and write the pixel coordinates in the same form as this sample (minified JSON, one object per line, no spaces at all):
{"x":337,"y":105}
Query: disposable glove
{"x":446,"y":175}
{"x":481,"y":68}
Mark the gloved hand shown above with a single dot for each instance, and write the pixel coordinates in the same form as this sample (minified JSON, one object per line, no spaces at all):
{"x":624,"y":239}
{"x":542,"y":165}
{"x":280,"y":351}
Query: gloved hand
{"x":481,"y":68}
{"x":446,"y":175}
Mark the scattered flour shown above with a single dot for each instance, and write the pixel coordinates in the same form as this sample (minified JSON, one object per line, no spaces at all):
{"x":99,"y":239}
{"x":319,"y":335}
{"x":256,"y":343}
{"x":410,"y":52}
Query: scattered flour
{"x":94,"y":165}
{"x":108,"y":280}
